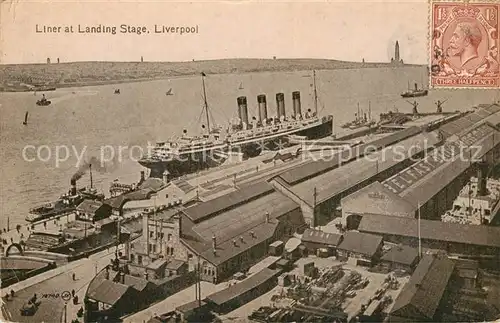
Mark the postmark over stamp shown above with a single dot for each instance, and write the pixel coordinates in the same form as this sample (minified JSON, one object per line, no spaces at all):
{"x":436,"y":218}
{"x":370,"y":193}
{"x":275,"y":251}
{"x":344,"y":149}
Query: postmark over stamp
{"x":464,"y":44}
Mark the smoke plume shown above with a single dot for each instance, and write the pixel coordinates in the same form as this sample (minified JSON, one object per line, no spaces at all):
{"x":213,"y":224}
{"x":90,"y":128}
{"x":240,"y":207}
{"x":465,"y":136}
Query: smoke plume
{"x":97,"y":165}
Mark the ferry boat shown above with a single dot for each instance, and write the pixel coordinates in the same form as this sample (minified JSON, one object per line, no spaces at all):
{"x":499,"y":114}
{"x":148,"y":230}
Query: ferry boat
{"x":187,"y":154}
{"x":65,"y":204}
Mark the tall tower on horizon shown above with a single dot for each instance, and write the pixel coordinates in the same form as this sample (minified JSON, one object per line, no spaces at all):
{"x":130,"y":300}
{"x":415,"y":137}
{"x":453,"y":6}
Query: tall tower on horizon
{"x":396,"y":52}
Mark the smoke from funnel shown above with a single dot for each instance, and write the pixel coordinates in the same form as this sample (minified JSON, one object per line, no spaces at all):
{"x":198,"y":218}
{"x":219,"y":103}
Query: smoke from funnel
{"x":97,"y":165}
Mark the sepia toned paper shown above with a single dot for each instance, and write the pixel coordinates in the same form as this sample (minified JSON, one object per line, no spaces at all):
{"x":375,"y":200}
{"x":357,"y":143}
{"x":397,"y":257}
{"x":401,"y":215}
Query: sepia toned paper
{"x":249,"y":161}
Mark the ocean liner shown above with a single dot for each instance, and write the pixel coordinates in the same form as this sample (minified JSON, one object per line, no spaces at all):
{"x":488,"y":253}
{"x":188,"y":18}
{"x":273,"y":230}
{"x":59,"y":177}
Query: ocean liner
{"x":187,"y":154}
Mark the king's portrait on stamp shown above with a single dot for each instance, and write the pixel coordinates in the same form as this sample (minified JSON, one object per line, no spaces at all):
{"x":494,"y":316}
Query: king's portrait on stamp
{"x":464,"y":46}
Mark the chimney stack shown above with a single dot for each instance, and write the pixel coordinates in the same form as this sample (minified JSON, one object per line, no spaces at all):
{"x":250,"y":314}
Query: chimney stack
{"x":280,"y":104}
{"x":241,"y":238}
{"x":416,"y":87}
{"x":214,"y":243}
{"x":142,"y":177}
{"x":252,"y":234}
{"x":73,"y":186}
{"x":482,"y":190}
{"x":242,"y":109}
{"x":90,"y":172}
{"x":261,"y":100}
{"x":267,"y":217}
{"x":145,"y":231}
{"x":234,"y":243}
{"x":296,"y":103}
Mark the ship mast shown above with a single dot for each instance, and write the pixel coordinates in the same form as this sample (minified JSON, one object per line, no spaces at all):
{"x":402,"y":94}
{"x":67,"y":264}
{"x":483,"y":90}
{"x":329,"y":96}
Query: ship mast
{"x":315,"y":93}
{"x":205,"y":100}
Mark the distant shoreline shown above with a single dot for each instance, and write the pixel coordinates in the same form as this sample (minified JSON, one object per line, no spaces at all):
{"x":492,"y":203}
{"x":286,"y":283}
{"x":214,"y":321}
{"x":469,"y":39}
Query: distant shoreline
{"x":82,"y":74}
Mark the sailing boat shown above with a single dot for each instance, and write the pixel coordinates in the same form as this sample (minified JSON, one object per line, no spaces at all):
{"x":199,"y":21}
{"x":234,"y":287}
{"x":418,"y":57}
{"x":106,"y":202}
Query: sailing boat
{"x":25,"y":122}
{"x":169,"y":92}
{"x":241,"y":86}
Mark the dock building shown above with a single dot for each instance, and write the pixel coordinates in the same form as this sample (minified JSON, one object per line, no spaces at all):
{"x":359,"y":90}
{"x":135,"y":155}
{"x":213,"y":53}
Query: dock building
{"x":432,"y":184}
{"x":231,"y":232}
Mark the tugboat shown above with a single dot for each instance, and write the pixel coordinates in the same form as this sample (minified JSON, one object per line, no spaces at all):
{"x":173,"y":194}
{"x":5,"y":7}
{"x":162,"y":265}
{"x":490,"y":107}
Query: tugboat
{"x":245,"y":136}
{"x":43,"y":101}
{"x":169,"y":92}
{"x":66,"y":203}
{"x":416,"y":92}
{"x":117,"y":91}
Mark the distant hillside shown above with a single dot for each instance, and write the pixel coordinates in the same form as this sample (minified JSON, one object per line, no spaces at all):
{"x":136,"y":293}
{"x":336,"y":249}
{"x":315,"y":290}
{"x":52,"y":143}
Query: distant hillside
{"x":93,"y":73}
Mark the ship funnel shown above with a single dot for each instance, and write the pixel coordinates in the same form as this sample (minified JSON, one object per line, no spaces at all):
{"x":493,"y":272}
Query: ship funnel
{"x":296,"y":103}
{"x":416,"y":87}
{"x":280,"y":104}
{"x":242,"y":109}
{"x":261,"y":100}
{"x":73,"y":186}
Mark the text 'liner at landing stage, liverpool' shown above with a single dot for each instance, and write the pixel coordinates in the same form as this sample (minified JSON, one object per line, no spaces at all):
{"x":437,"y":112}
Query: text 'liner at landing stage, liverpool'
{"x":190,"y":153}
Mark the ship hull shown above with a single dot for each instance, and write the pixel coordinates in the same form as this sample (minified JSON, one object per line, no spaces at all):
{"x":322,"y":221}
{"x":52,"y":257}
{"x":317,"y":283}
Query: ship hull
{"x":210,"y":158}
{"x":415,"y":94}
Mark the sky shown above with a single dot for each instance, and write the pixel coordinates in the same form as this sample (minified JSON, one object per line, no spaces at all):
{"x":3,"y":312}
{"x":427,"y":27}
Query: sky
{"x":340,"y":30}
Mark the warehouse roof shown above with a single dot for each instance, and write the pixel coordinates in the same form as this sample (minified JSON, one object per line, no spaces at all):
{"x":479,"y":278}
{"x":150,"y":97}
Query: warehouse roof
{"x":378,"y":199}
{"x":424,"y":291}
{"x":240,"y":288}
{"x":313,"y":168}
{"x":108,"y":292}
{"x":343,"y":178}
{"x":363,"y":243}
{"x":478,"y":235}
{"x":433,"y":182}
{"x":136,"y":283}
{"x":417,"y":171}
{"x":117,"y":202}
{"x":321,"y":237}
{"x":243,"y":218}
{"x":203,"y":210}
{"x":401,"y":255}
{"x":230,"y":248}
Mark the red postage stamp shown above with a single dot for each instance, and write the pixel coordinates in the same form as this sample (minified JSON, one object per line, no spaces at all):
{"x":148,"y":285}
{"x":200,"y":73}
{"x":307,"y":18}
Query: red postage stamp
{"x":464,"y":44}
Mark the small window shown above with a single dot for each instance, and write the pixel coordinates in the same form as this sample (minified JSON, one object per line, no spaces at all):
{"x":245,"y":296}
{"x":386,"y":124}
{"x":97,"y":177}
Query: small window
{"x":132,"y":257}
{"x":139,"y":259}
{"x":169,"y":237}
{"x":151,"y":234}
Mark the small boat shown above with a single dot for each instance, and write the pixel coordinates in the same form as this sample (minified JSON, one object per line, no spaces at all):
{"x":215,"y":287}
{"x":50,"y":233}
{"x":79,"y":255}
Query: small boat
{"x":241,"y":86}
{"x":360,"y":120}
{"x":169,"y":92}
{"x":416,"y":92}
{"x":117,"y":91}
{"x":43,"y":102}
{"x":25,"y":122}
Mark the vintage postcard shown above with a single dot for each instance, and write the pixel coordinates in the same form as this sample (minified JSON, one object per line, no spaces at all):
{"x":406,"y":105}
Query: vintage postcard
{"x":249,"y":161}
